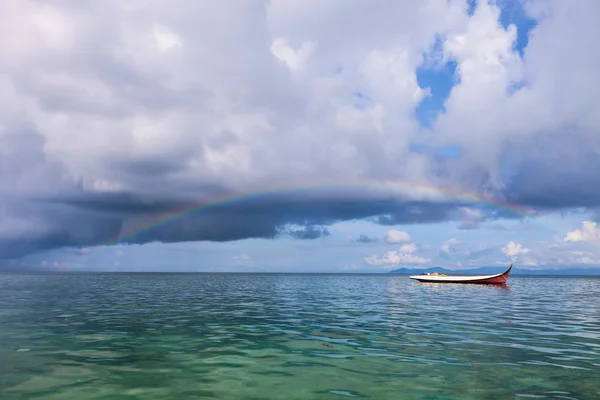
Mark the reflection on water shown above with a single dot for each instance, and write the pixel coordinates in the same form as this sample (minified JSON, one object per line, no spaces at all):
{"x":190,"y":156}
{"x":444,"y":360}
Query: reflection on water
{"x":161,"y":336}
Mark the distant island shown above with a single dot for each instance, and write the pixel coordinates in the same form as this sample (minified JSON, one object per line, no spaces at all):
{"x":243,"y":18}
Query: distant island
{"x":495,"y":270}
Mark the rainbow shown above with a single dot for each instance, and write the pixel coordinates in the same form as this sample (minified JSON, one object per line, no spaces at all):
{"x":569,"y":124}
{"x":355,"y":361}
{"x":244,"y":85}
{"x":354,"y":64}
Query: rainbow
{"x":401,"y":190}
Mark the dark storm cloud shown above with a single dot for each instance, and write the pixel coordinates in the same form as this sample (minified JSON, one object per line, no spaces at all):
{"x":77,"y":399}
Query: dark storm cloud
{"x":270,"y":216}
{"x":120,"y":204}
{"x":306,"y":233}
{"x":58,"y":226}
{"x":149,"y":166}
{"x":417,"y":212}
{"x":84,"y":219}
{"x":556,"y":173}
{"x":596,"y":215}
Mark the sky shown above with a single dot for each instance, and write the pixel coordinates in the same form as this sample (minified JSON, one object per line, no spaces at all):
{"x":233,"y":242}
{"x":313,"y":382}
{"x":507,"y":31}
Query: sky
{"x":299,"y":135}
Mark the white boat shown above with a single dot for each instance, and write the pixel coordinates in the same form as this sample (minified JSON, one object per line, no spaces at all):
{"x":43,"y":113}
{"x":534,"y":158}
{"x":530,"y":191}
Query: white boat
{"x":496,"y":279}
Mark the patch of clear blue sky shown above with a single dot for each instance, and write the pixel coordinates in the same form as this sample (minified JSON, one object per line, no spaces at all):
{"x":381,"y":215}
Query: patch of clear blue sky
{"x":513,"y":12}
{"x":471,"y":5}
{"x":441,"y":79}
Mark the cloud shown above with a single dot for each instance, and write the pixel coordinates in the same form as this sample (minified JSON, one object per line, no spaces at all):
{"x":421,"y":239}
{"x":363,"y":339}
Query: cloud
{"x":571,"y":249}
{"x":562,"y":257}
{"x":403,"y":256}
{"x":417,"y":212}
{"x":165,"y":38}
{"x":364,"y":239}
{"x":82,"y":251}
{"x":295,"y":60}
{"x":588,"y":233}
{"x":394,"y":236}
{"x":308,"y":232}
{"x":447,"y":247}
{"x":408,"y":248}
{"x":513,"y":249}
{"x":115,"y":117}
{"x":470,"y":218}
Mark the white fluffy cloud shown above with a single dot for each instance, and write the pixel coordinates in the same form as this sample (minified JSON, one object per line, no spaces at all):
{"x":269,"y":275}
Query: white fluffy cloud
{"x":394,"y":236}
{"x":513,"y":249}
{"x":231,"y":103}
{"x":405,"y":255}
{"x":408,"y":248}
{"x":589,"y":232}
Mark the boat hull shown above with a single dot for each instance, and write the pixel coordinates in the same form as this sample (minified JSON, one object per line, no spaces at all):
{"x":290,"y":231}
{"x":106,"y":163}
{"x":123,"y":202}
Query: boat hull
{"x":497,"y":279}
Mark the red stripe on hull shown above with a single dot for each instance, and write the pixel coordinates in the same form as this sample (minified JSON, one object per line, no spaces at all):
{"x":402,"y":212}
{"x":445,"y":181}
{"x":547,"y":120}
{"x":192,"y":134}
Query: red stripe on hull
{"x":499,"y":280}
{"x":494,"y":281}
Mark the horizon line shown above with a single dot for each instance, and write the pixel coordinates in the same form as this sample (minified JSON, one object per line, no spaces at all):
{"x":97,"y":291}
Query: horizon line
{"x":594,"y":271}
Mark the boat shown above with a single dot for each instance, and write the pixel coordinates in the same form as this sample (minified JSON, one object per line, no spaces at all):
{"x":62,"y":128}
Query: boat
{"x":497,"y":279}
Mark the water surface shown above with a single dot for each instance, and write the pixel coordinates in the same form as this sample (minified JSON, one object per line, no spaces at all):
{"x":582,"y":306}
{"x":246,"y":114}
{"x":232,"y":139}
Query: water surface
{"x":243,"y":336}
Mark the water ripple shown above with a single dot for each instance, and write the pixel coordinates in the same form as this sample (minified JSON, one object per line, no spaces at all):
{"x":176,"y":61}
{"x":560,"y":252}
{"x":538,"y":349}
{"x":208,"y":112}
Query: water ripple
{"x":160,"y":336}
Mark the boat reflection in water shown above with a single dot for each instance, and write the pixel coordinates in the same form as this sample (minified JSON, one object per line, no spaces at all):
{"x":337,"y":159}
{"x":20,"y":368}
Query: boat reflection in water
{"x":497,"y":279}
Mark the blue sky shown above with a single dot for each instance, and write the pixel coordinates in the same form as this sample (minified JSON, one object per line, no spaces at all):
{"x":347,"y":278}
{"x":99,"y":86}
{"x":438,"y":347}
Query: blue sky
{"x":401,"y":130}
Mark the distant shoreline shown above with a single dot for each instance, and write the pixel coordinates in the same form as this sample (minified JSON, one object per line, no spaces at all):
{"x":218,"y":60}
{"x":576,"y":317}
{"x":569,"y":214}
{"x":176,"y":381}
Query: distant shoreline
{"x":519,"y":273}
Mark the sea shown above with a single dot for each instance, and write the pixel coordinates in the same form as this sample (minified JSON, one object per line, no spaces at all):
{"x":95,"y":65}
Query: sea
{"x":296,"y":336}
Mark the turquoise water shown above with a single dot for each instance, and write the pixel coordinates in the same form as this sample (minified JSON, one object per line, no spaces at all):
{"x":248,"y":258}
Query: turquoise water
{"x":236,"y":336}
